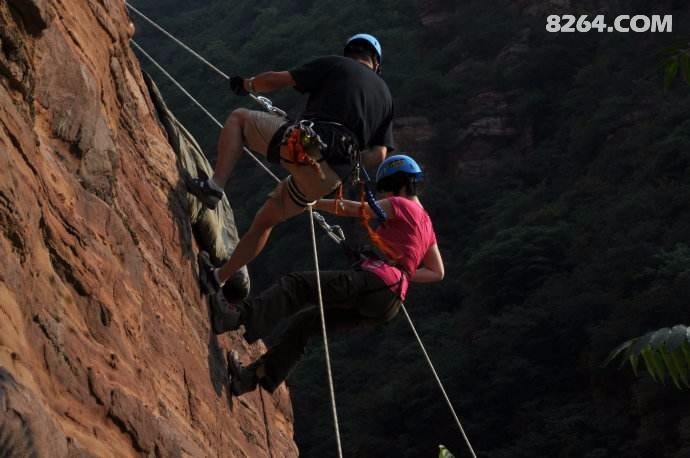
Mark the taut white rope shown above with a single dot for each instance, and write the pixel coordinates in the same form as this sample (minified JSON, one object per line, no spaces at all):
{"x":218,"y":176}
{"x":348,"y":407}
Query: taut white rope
{"x":323,"y":330}
{"x":438,"y":380}
{"x":173,"y":38}
{"x":191,"y":97}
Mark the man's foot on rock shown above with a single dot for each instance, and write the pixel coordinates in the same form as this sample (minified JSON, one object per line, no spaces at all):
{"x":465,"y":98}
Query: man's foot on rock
{"x":202,"y":190}
{"x":207,"y":279}
{"x":240,"y":379}
{"x":225,"y":316}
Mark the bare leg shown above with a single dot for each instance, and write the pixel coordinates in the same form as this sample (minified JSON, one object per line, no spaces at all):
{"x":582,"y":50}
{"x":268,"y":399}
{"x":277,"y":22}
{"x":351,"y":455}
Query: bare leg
{"x":229,"y":146}
{"x":251,"y":243}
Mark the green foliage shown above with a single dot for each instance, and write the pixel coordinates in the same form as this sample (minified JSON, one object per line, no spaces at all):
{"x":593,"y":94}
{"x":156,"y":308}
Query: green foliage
{"x":516,"y":261}
{"x":677,"y":63}
{"x":665,"y":352}
{"x":675,"y":262}
{"x":444,"y":453}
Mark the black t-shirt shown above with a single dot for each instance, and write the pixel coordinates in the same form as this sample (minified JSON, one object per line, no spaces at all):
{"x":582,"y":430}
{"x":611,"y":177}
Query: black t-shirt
{"x":346,"y":91}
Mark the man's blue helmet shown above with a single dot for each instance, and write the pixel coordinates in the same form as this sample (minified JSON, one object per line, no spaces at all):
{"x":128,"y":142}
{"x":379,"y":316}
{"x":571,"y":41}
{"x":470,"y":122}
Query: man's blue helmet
{"x":369,"y":39}
{"x":399,"y":163}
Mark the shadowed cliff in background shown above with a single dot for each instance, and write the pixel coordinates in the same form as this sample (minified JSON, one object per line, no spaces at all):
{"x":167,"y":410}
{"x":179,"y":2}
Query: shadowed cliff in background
{"x":105,"y":348}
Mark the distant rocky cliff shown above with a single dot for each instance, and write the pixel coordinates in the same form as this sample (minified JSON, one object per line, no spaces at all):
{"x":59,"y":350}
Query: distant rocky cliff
{"x":105,"y":348}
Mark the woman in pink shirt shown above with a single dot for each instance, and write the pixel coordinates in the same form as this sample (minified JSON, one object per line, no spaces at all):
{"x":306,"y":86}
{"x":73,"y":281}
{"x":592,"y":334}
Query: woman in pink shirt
{"x":369,"y":294}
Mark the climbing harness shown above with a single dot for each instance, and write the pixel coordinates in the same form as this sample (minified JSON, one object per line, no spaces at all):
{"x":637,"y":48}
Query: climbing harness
{"x":302,"y":143}
{"x":334,"y":232}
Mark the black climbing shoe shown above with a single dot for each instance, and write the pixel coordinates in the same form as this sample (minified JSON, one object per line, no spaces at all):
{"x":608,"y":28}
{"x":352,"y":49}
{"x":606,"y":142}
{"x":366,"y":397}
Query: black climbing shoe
{"x":240,"y":379}
{"x":208,"y":282}
{"x":200,"y":188}
{"x":224,"y":315}
{"x":236,"y":288}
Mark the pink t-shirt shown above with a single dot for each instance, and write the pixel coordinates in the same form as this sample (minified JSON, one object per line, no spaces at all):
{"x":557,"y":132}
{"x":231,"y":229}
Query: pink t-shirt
{"x":408,"y":230}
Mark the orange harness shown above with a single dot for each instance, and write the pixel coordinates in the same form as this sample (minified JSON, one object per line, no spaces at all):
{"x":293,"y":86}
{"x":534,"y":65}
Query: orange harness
{"x":301,"y":138}
{"x":364,"y":217}
{"x":298,"y":140}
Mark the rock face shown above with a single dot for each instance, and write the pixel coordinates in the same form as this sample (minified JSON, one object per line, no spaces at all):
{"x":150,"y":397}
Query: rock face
{"x":413,"y":134}
{"x":105,"y":348}
{"x":490,"y":127}
{"x":486,"y":128}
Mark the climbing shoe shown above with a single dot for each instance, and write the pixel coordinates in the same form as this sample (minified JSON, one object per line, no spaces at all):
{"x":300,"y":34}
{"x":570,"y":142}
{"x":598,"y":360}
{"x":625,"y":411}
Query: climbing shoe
{"x":236,"y":288}
{"x":224,"y":315}
{"x":240,"y":379}
{"x":207,"y":280}
{"x":202,"y":190}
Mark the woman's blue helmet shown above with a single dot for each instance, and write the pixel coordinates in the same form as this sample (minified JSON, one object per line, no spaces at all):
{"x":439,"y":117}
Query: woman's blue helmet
{"x":369,"y":39}
{"x":399,"y":163}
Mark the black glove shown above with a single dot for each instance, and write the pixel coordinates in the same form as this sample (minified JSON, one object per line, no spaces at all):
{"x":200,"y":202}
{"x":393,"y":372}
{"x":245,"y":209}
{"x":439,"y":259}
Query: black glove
{"x":237,"y":85}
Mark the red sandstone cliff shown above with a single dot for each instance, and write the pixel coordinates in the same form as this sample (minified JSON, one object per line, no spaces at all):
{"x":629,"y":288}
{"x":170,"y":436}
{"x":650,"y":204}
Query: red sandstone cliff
{"x":105,"y":347}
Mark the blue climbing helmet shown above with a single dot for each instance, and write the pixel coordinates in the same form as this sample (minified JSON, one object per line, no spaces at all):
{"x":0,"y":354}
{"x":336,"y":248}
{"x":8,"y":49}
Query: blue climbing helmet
{"x":369,"y":40}
{"x":399,"y":163}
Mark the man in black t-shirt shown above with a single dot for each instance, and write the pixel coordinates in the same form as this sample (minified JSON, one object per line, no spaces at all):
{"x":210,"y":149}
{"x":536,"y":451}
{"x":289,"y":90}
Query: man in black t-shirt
{"x":350,"y":109}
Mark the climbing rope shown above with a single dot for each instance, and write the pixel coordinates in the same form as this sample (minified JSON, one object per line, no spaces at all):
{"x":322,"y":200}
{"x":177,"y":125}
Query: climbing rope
{"x":173,"y":38}
{"x":191,"y":97}
{"x":325,"y":337}
{"x":334,"y":232}
{"x":438,"y":380}
{"x":263,"y":101}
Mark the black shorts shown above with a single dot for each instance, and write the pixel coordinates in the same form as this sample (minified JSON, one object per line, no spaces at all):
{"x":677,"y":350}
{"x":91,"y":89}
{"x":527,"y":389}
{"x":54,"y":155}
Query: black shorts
{"x":341,"y":147}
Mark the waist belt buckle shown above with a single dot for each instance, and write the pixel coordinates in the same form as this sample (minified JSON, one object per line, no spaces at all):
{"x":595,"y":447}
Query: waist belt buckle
{"x":309,"y":137}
